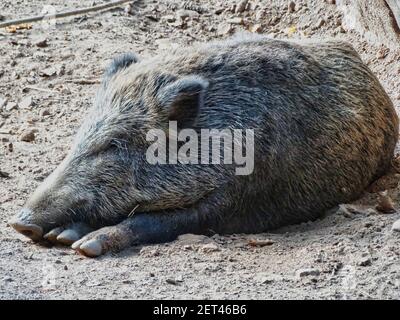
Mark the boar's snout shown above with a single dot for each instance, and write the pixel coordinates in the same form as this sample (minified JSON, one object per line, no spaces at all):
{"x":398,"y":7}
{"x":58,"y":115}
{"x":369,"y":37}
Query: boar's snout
{"x":29,"y":230}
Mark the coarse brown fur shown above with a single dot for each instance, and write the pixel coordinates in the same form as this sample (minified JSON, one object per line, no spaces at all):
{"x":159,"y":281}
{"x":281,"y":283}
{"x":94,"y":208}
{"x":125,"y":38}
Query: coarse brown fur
{"x":324,"y":130}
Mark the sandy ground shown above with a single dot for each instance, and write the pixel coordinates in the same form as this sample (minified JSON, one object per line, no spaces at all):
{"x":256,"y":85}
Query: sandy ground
{"x":46,"y":88}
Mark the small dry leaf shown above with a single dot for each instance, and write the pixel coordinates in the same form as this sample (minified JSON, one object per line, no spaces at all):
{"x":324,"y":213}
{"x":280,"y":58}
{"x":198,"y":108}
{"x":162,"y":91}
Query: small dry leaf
{"x":292,"y":30}
{"x":23,"y":26}
{"x":385,"y":203}
{"x":260,"y":242}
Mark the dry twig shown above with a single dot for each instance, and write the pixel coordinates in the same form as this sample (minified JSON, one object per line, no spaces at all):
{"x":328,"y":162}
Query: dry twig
{"x":64,"y":14}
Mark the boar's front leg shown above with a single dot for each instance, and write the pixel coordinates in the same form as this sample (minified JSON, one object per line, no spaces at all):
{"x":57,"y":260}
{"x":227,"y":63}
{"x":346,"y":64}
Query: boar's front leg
{"x":155,"y":227}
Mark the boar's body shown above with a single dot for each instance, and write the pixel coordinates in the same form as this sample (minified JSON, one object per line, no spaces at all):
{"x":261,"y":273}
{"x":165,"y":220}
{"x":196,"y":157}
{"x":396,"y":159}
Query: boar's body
{"x":324,"y":129}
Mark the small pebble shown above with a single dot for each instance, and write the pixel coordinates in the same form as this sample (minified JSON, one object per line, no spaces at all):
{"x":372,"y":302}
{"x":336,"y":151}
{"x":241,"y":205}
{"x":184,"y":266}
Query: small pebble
{"x":28,"y":136}
{"x":3,"y":102}
{"x":255,"y":28}
{"x":365,"y":262}
{"x":173,"y":282}
{"x":307,"y":272}
{"x":4,"y":174}
{"x":25,"y":103}
{"x":291,"y":6}
{"x":11,"y":106}
{"x":396,"y":226}
{"x":129,"y":9}
{"x":41,"y":43}
{"x":44,"y":112}
{"x":224,"y":29}
{"x":169,"y":18}
{"x":183,"y":14}
{"x":382,"y":53}
{"x":237,"y":20}
{"x":241,"y":6}
{"x":210,"y":247}
{"x":320,"y":23}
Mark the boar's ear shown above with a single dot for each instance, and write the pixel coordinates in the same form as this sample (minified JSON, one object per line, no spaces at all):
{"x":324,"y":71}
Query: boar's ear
{"x":119,"y":63}
{"x":183,"y":98}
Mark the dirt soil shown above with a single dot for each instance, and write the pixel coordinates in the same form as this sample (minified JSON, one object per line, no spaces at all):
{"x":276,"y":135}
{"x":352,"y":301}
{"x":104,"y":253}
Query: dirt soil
{"x":48,"y":76}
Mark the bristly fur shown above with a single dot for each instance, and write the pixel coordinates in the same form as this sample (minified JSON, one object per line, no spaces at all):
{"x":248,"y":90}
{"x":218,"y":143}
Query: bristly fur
{"x":324,"y":130}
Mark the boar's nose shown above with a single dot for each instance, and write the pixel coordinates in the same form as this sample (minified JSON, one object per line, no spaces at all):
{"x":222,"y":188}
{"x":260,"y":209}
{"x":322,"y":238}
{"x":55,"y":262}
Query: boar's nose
{"x":29,"y":230}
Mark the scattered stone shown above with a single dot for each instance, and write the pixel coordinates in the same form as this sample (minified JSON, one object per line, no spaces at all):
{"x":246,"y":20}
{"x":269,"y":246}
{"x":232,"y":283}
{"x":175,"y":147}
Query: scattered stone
{"x":396,"y":226}
{"x":320,"y":23}
{"x":169,"y":18}
{"x":269,"y":278}
{"x":291,"y":6}
{"x":385,"y":203}
{"x":44,"y":112}
{"x":184,"y":14}
{"x":218,"y":11}
{"x":371,"y":212}
{"x":255,"y":28}
{"x":190,"y":239}
{"x":260,"y":242}
{"x":382,"y":53}
{"x":236,"y":20}
{"x":224,"y":29}
{"x":210,"y":247}
{"x":41,"y":43}
{"x":3,"y":102}
{"x":129,"y":9}
{"x":28,"y":135}
{"x":173,"y":282}
{"x":301,"y":273}
{"x":150,"y":252}
{"x":25,"y":103}
{"x":365,"y":262}
{"x":340,"y":29}
{"x":11,"y":106}
{"x":4,"y":174}
{"x":241,"y":6}
{"x":152,"y":17}
{"x":2,"y":18}
{"x":48,"y":72}
{"x":331,"y":1}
